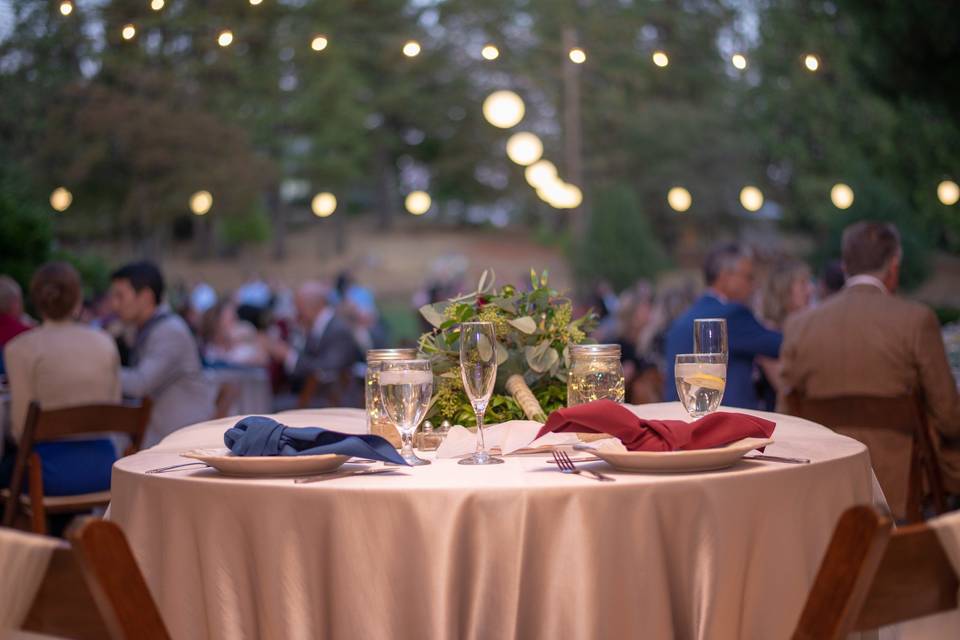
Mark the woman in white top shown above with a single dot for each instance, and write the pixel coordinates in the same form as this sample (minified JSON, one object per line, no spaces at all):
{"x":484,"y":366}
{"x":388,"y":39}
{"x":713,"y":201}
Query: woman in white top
{"x":61,"y":364}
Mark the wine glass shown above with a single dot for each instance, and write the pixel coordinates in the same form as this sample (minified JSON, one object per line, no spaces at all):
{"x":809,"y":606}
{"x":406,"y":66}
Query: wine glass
{"x":478,"y":369}
{"x":710,"y":336}
{"x":405,"y":390}
{"x":701,"y":379}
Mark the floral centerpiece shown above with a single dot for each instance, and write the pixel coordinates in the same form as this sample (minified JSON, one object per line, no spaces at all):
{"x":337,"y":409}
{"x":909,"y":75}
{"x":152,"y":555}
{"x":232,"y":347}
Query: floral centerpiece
{"x":534,"y":331}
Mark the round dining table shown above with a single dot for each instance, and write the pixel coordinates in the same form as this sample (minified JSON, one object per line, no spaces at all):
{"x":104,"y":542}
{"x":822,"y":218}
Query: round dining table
{"x":516,"y":550}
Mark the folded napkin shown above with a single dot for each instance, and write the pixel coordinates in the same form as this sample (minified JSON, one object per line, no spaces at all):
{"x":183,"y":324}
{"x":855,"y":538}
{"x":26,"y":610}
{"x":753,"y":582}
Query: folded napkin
{"x":639,"y":434}
{"x":262,"y":436}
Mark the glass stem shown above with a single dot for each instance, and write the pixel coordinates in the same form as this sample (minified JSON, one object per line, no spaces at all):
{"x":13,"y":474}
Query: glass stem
{"x":481,"y":446}
{"x":406,"y":437}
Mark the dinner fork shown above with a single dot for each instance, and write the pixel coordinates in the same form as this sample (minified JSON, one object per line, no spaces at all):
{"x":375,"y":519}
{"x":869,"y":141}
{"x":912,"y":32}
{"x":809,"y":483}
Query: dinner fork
{"x":174,"y":467}
{"x":566,"y":466}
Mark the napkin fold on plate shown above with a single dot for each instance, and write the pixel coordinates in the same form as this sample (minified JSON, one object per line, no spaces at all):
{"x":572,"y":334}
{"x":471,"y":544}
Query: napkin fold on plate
{"x":263,"y":436}
{"x":641,"y":434}
{"x":508,"y":437}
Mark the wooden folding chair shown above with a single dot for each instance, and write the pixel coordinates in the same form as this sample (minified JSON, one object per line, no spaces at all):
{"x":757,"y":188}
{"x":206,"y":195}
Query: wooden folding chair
{"x":904,"y":414}
{"x":872,"y":576}
{"x":93,"y":588}
{"x":56,"y":424}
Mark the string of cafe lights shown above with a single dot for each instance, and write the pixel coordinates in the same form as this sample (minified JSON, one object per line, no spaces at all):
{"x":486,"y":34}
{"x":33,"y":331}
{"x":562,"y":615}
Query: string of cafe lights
{"x":504,"y":110}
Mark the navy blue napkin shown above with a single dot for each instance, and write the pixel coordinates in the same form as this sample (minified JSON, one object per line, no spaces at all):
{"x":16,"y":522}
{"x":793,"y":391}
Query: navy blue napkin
{"x":262,"y":436}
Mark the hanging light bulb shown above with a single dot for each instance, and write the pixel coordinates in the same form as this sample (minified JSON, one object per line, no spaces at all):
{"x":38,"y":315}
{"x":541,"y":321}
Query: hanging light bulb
{"x":411,"y":49}
{"x":490,"y":52}
{"x":524,"y":148}
{"x":660,"y":59}
{"x":751,"y":198}
{"x":739,"y":61}
{"x":948,"y":192}
{"x":418,"y":202}
{"x":255,"y":2}
{"x":841,"y":195}
{"x":61,"y":199}
{"x":66,"y":7}
{"x":323,"y":204}
{"x":811,"y":62}
{"x":201,"y":202}
{"x":319,"y":43}
{"x":679,"y":199}
{"x":503,"y":109}
{"x":578,"y":55}
{"x":540,"y":173}
{"x":128,"y":32}
{"x":225,"y":39}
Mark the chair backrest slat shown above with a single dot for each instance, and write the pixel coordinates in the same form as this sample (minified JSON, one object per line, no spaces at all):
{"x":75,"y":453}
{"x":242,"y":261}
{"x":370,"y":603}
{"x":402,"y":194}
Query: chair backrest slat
{"x":54,"y":424}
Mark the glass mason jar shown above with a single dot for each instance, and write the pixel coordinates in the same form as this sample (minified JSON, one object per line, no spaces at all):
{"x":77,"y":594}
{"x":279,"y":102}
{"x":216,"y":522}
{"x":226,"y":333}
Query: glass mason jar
{"x":595,"y":373}
{"x":377,"y":421}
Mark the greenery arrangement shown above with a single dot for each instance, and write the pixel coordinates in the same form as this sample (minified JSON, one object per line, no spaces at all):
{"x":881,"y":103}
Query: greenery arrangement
{"x":534,"y":330}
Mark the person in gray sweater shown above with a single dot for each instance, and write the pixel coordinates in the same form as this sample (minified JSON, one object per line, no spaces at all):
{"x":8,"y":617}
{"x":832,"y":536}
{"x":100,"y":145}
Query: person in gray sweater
{"x":164,"y":362}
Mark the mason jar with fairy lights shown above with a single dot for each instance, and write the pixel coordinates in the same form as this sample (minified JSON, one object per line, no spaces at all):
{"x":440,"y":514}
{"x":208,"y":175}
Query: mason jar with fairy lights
{"x":595,"y":373}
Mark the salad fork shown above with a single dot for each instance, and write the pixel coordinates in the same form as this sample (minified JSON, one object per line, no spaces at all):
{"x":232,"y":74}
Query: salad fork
{"x":566,"y":466}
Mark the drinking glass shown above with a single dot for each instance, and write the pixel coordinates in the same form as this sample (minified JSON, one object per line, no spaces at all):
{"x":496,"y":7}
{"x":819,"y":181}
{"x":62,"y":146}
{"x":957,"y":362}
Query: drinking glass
{"x":478,"y":369}
{"x":710,"y":336}
{"x":701,"y":379}
{"x":405,"y":390}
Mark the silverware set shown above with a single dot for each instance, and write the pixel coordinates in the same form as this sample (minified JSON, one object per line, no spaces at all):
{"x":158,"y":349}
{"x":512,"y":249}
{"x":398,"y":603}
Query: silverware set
{"x":346,"y":474}
{"x":176,"y":467}
{"x":763,"y":456}
{"x":565,"y":464}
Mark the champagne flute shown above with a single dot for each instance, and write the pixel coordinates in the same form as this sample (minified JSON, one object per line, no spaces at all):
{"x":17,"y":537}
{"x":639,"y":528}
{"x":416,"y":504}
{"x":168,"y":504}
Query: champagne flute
{"x":478,"y":369}
{"x":405,"y":390}
{"x":701,"y":379}
{"x":710,"y":336}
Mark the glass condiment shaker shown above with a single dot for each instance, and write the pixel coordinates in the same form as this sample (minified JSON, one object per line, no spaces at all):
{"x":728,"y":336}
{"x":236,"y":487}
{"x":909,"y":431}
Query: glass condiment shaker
{"x":377,"y":421}
{"x":595,"y":373}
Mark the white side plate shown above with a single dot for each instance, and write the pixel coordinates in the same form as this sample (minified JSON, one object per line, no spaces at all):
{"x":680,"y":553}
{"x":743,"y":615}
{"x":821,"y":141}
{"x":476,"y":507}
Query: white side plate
{"x":225,"y":462}
{"x":679,"y":461}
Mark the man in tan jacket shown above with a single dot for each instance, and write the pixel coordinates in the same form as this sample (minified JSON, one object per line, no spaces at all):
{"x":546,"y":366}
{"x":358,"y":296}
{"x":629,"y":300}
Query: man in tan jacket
{"x":866,"y":341}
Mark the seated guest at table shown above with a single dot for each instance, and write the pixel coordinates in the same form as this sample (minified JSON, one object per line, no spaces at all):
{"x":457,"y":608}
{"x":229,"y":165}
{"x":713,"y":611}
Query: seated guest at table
{"x":325,"y":345}
{"x":60,"y":364}
{"x":728,"y":271}
{"x":635,"y":330}
{"x":787,"y":290}
{"x":11,"y":313}
{"x":866,"y":341}
{"x":230,"y":341}
{"x":164,"y":360}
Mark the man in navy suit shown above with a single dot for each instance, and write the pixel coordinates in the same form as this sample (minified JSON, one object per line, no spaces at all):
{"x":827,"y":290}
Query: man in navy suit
{"x":728,"y":271}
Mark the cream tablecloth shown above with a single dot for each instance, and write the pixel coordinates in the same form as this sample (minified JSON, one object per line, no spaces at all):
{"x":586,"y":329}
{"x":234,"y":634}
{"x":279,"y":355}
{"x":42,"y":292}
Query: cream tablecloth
{"x":511,"y":551}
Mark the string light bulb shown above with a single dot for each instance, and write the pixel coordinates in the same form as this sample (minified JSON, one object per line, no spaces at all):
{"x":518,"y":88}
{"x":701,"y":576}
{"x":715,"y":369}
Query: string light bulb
{"x":578,"y":55}
{"x":323,"y":204}
{"x":319,"y":43}
{"x":411,"y":49}
{"x":225,"y":39}
{"x":418,"y":202}
{"x":679,"y":199}
{"x":255,"y":2}
{"x":66,"y":7}
{"x":739,"y":61}
{"x":524,"y":148}
{"x":948,"y":192}
{"x":841,"y":195}
{"x":61,"y":199}
{"x":751,"y":198}
{"x":540,"y":174}
{"x":129,"y":32}
{"x":660,"y":59}
{"x":490,"y":52}
{"x":811,"y":62}
{"x":201,"y":202}
{"x":157,"y":5}
{"x":503,"y":109}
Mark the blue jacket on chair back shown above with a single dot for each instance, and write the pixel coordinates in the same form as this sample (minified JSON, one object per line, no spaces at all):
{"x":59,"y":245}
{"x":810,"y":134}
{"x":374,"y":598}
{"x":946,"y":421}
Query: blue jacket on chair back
{"x":747,"y":338}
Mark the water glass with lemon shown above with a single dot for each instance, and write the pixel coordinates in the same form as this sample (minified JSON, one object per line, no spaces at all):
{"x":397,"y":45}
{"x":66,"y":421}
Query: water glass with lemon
{"x":701,"y":377}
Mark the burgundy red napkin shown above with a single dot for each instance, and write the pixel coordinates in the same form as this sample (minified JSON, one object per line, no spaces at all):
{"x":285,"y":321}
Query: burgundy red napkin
{"x":639,"y":434}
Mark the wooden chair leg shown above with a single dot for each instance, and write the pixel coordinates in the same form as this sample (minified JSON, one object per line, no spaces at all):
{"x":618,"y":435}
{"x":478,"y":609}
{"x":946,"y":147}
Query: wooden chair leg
{"x":38,"y":514}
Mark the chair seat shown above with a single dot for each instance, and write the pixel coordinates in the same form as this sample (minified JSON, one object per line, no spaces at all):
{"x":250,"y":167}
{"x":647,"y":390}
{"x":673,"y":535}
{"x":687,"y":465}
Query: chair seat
{"x":79,"y":502}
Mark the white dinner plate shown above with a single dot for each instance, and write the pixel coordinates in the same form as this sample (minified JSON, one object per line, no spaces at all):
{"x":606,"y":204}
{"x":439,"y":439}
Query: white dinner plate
{"x":679,"y":461}
{"x":225,"y":462}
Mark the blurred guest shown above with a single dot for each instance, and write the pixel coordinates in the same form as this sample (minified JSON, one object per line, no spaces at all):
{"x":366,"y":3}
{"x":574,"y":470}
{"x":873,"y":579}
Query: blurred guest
{"x":787,"y":290}
{"x":11,"y":310}
{"x":164,"y":361}
{"x":255,"y":292}
{"x":62,"y":364}
{"x":635,"y":314}
{"x":228,"y":340}
{"x":325,"y":346}
{"x":831,"y":279}
{"x":866,"y":341}
{"x":728,"y":271}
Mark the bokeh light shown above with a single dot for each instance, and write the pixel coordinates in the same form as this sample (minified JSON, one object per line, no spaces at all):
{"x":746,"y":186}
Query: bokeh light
{"x":225,"y":39}
{"x":201,"y":203}
{"x":578,"y":55}
{"x":524,"y":148}
{"x":255,"y":2}
{"x":411,"y":49}
{"x":129,"y":32}
{"x":751,"y":198}
{"x":418,"y":202}
{"x":540,"y":174}
{"x":319,"y":43}
{"x":157,"y":5}
{"x":561,"y":195}
{"x":811,"y":62}
{"x":679,"y":199}
{"x":948,"y":192}
{"x":739,"y":61}
{"x":841,"y":195}
{"x":660,"y":59}
{"x":503,"y":109}
{"x":323,"y":204}
{"x":66,"y":8}
{"x":490,"y":52}
{"x":61,"y":199}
